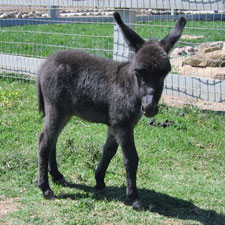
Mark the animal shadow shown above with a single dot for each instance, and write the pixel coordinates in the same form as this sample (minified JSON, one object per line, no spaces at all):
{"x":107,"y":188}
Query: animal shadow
{"x":154,"y":202}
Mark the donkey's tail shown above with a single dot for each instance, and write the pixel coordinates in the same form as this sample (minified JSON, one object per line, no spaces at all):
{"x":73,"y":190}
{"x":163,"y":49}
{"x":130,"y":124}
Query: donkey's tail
{"x":41,"y":104}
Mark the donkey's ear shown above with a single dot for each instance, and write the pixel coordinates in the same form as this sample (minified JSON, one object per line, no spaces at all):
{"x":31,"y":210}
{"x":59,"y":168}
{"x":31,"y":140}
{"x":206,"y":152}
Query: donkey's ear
{"x":169,"y":41}
{"x":133,"y":40}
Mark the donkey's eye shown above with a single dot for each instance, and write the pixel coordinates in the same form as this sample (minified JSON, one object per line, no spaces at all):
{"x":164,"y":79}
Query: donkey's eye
{"x":141,"y":74}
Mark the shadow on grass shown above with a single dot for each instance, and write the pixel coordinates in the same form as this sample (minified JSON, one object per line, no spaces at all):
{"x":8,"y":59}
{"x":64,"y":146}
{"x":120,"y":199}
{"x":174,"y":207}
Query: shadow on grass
{"x":153,"y":201}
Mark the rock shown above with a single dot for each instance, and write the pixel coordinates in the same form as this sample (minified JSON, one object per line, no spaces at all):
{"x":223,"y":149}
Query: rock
{"x":3,"y":16}
{"x":8,"y":15}
{"x":210,"y":47}
{"x":30,"y":14}
{"x":192,"y":61}
{"x":187,"y":50}
{"x":19,"y":15}
{"x":208,"y":62}
{"x":108,"y":13}
{"x":177,"y":63}
{"x":45,"y":15}
{"x":25,"y":15}
{"x":209,"y":59}
{"x":176,"y":52}
{"x":76,"y":14}
{"x":97,"y":13}
{"x":38,"y":14}
{"x":12,"y":14}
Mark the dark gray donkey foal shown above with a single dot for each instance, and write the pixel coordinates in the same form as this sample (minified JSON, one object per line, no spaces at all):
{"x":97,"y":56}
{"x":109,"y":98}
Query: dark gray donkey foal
{"x":102,"y":91}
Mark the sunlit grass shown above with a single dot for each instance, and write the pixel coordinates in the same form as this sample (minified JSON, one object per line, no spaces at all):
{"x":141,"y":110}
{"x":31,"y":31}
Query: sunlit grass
{"x":180,"y":175}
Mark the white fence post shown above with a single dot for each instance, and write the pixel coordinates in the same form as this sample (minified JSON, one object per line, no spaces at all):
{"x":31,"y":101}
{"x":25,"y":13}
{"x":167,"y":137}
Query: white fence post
{"x":120,"y":50}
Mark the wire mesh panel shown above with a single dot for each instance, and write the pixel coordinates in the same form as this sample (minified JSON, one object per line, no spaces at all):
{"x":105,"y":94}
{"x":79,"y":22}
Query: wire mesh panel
{"x":39,"y":31}
{"x":30,"y":31}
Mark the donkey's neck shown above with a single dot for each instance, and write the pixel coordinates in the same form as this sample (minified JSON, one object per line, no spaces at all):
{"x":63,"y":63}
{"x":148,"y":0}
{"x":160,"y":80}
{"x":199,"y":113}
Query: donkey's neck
{"x":124,"y":71}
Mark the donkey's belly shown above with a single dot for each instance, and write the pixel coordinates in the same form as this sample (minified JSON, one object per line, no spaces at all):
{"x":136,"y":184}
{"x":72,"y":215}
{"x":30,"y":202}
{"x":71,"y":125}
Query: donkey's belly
{"x":93,"y":113}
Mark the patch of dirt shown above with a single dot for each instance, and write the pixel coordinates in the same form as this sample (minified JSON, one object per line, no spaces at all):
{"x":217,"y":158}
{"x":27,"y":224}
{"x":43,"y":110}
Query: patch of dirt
{"x":201,"y":104}
{"x":172,"y":222}
{"x":191,"y":37}
{"x":8,"y":205}
{"x":217,"y":73}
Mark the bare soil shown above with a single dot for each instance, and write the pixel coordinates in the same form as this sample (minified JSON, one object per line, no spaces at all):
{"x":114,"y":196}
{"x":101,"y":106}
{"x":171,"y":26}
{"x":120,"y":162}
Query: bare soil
{"x":180,"y":102}
{"x":8,"y":206}
{"x":191,"y":37}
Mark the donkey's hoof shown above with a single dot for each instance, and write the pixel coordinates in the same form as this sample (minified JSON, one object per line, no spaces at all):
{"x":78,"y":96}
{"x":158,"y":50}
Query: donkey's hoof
{"x":49,"y":194}
{"x":137,"y":205}
{"x":100,"y":188}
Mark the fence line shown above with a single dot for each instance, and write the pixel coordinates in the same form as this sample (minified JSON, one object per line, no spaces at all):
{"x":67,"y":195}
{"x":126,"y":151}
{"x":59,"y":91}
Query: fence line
{"x":132,"y":4}
{"x":24,"y":45}
{"x":107,"y":19}
{"x":175,"y":85}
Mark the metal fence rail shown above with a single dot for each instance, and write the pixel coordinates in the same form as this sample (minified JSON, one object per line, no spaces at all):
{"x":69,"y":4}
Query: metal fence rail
{"x":30,"y":31}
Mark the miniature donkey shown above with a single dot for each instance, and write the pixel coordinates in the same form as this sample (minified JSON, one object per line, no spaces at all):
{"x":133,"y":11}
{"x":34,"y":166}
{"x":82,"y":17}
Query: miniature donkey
{"x":102,"y":91}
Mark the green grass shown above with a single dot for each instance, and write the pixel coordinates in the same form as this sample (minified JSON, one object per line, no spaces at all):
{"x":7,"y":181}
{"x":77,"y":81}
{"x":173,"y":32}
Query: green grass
{"x":44,"y":40}
{"x":210,"y":30}
{"x":180,"y":176}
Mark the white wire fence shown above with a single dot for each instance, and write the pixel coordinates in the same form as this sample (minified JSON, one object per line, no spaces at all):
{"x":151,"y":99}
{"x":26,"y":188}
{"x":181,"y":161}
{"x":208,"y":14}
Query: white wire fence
{"x":30,"y":31}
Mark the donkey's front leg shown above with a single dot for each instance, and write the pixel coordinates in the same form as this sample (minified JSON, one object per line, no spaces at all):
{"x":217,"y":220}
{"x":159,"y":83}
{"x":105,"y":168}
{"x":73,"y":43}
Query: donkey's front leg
{"x":109,"y":150}
{"x":126,"y":140}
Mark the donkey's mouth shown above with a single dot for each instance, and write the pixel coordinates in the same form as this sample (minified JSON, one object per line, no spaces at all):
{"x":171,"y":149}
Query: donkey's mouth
{"x":151,"y":112}
{"x":148,"y":107}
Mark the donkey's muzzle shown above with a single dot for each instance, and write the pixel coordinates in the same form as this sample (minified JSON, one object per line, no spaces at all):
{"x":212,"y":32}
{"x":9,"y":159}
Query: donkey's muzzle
{"x":149,"y":108}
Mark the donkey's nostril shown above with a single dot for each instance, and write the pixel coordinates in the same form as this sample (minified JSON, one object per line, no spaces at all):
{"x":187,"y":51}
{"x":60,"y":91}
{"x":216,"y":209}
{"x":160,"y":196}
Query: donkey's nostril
{"x":142,"y":109}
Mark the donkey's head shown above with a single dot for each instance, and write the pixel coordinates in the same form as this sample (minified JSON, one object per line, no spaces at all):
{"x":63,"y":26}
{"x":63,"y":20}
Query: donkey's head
{"x":151,"y":63}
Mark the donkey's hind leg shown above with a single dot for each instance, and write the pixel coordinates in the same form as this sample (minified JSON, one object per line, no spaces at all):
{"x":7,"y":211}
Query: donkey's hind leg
{"x":57,"y":177}
{"x":53,"y":124}
{"x":109,"y":150}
